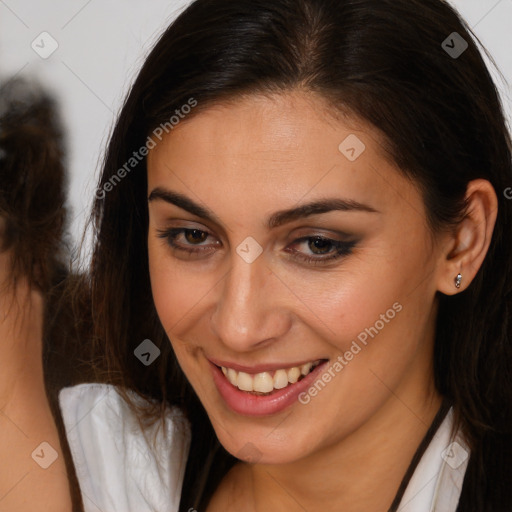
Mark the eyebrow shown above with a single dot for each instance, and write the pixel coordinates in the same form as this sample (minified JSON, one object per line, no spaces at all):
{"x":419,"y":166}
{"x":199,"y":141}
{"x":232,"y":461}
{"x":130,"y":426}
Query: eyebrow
{"x":275,"y":220}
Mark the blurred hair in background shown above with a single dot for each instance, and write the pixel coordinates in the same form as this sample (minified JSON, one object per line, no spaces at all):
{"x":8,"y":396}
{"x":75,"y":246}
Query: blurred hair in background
{"x":39,"y":348}
{"x":32,"y":183}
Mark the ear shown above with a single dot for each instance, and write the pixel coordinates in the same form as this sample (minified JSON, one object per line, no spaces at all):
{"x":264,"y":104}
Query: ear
{"x":466,"y":247}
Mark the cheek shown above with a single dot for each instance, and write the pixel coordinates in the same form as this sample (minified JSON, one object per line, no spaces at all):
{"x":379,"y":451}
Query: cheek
{"x":365,"y":324}
{"x":177,"y":290}
{"x":339,"y":306}
{"x":375,"y":303}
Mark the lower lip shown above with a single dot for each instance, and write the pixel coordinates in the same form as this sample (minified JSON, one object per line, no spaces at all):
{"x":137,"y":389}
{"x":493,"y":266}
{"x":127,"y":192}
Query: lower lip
{"x":248,"y":404}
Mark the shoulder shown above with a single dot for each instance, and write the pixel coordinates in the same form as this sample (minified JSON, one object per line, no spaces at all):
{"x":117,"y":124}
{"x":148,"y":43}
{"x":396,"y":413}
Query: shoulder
{"x":121,"y":466}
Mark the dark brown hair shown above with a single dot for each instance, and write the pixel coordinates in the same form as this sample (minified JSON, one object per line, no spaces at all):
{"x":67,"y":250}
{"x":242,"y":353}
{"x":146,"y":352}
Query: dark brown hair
{"x":444,"y":126}
{"x":32,"y":183}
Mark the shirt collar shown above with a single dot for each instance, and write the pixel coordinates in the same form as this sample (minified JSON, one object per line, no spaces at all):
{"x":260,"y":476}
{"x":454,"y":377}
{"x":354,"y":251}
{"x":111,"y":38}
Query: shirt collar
{"x":437,"y":481}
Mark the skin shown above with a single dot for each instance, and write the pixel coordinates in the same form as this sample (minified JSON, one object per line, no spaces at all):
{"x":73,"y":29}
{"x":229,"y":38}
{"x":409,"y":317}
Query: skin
{"x":25,"y":417}
{"x":349,"y":447}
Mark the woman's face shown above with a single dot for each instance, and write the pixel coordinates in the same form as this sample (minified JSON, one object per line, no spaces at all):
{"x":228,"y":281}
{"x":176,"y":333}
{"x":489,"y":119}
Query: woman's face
{"x":283,"y":242}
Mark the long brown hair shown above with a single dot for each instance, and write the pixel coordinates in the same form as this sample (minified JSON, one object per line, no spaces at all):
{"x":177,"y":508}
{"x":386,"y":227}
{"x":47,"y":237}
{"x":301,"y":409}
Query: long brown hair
{"x":440,"y":113}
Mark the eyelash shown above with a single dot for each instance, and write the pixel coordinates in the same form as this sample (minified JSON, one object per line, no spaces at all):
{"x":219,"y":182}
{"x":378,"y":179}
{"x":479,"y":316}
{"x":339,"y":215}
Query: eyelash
{"x":341,"y":249}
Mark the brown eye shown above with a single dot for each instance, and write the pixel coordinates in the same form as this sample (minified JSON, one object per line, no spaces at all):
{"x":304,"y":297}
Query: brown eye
{"x":319,"y":245}
{"x":189,"y":243}
{"x":195,"y":236}
{"x":318,"y":250}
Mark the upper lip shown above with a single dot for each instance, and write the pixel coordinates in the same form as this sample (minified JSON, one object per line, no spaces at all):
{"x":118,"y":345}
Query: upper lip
{"x":262,"y":367}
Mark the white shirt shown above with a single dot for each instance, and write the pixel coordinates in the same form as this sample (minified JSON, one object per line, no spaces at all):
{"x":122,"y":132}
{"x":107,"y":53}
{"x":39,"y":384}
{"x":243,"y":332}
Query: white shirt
{"x":118,"y":471}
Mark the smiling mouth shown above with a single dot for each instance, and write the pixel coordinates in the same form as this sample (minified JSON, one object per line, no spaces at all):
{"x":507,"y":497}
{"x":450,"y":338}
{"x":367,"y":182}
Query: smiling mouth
{"x":265,"y":383}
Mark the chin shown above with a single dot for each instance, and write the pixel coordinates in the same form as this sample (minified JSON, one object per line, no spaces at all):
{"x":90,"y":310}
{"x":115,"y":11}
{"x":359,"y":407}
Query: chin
{"x":259,"y":448}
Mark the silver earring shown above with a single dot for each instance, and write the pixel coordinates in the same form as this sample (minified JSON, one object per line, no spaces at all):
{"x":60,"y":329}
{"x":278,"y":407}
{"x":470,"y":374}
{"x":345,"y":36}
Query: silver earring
{"x":458,"y":280}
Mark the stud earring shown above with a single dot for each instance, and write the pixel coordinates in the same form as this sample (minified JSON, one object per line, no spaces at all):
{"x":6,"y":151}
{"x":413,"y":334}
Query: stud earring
{"x":458,"y":280}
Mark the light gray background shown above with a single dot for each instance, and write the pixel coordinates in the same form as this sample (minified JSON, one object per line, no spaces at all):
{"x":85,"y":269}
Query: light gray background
{"x":102,"y":44}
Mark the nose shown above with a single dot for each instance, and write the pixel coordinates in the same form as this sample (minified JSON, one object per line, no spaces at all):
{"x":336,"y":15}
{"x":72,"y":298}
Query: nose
{"x":249,"y":312}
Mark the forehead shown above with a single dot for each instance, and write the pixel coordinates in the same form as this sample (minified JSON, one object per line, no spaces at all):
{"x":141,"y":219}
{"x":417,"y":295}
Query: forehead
{"x":292,"y":123}
{"x":283,"y":147}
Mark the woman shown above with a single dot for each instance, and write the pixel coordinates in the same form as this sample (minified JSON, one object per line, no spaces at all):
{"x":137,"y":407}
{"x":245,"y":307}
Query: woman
{"x":301,"y":243}
{"x":32,"y":214}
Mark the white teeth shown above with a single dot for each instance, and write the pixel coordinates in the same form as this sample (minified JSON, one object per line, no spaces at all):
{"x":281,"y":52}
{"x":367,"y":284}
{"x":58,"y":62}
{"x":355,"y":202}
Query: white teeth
{"x":293,"y":375}
{"x":264,"y":382}
{"x":245,"y":382}
{"x":280,"y":379}
{"x":232,"y":376}
{"x":306,"y":368}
